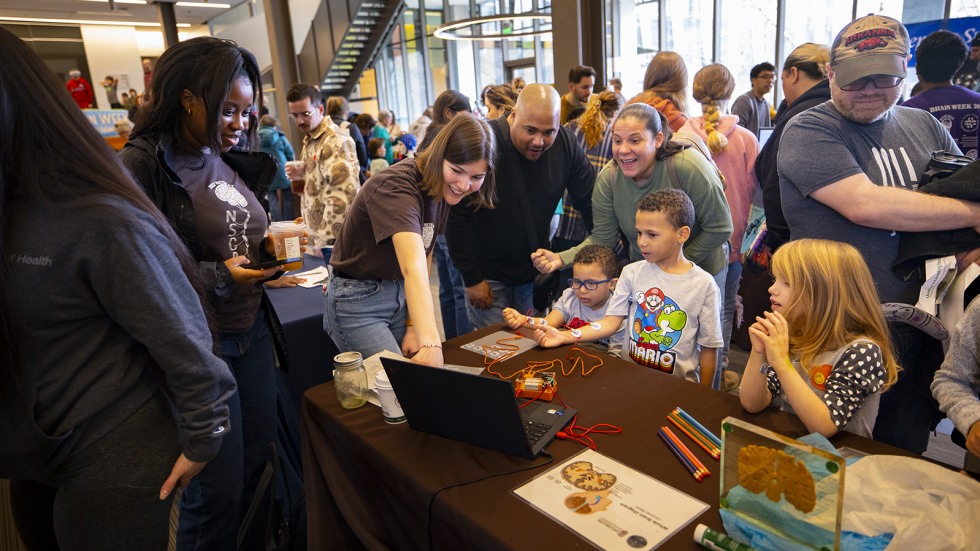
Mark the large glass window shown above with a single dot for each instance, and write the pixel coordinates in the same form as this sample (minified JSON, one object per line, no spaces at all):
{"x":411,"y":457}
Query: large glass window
{"x":438,"y":56}
{"x":632,"y":39}
{"x":689,"y":34}
{"x":814,"y":22}
{"x":748,"y":37}
{"x":891,"y":8}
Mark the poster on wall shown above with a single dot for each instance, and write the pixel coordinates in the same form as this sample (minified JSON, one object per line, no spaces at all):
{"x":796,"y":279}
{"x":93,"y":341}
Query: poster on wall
{"x":966,"y":27}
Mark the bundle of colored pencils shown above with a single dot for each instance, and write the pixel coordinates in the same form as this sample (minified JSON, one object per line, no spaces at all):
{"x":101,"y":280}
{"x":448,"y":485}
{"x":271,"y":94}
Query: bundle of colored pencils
{"x":683,"y":454}
{"x":696,"y":431}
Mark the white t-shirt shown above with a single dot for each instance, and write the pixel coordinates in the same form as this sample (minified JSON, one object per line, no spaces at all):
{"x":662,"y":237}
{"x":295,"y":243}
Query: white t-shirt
{"x":669,"y":316}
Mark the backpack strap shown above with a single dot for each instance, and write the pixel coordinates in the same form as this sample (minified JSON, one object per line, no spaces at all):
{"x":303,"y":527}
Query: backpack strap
{"x":672,"y":173}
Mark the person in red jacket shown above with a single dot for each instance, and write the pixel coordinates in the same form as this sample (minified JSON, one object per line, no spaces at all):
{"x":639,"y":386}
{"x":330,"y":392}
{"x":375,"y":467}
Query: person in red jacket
{"x":80,"y":89}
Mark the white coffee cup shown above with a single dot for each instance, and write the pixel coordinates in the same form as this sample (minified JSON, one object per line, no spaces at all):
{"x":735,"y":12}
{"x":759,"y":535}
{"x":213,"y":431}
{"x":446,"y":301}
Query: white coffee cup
{"x":390,"y":408}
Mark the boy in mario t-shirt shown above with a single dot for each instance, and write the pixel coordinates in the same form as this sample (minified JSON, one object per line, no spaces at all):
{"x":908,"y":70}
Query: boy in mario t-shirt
{"x":672,"y":307}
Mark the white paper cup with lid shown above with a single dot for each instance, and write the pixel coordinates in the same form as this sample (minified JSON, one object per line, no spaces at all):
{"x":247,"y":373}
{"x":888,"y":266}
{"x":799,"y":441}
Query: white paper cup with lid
{"x":390,"y":408}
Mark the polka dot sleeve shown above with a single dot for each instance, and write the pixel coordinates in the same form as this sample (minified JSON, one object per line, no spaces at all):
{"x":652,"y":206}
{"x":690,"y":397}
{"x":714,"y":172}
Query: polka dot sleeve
{"x":772,"y":381}
{"x":859,"y":373}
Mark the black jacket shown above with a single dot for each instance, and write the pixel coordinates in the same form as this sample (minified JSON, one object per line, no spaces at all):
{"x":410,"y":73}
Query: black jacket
{"x":765,"y":164}
{"x":149,"y":160}
{"x":494,"y":244}
{"x":917,"y":247}
{"x":363,"y":159}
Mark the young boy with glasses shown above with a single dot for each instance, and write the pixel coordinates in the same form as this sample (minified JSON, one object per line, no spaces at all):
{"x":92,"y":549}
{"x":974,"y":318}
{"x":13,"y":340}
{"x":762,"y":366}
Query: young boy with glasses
{"x":594,"y":275}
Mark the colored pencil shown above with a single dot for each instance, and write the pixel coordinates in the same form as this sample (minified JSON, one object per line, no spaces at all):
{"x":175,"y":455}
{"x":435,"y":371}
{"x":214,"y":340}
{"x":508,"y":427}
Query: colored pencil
{"x":695,"y":433}
{"x":712,"y":451}
{"x":680,"y":457}
{"x":702,"y":440}
{"x":699,"y":426}
{"x":687,"y":452}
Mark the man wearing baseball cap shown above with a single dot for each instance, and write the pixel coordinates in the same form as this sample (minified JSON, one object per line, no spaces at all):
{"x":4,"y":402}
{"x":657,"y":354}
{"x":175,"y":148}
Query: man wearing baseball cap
{"x":847,"y":170}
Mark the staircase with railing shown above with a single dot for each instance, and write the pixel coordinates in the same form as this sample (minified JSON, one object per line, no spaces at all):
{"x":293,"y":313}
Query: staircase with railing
{"x":357,"y":30}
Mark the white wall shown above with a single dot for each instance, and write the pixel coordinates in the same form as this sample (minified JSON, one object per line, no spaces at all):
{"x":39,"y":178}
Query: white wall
{"x":252,"y":35}
{"x":301,"y":13}
{"x":112,"y":51}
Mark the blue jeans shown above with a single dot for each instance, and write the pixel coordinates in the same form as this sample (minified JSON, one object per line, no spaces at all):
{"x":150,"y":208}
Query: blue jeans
{"x":907,"y":411}
{"x":281,"y":211}
{"x":366,"y":316}
{"x":518,"y":297}
{"x":730,"y":300}
{"x":212,"y":506}
{"x":721,"y":279}
{"x":452,"y":293}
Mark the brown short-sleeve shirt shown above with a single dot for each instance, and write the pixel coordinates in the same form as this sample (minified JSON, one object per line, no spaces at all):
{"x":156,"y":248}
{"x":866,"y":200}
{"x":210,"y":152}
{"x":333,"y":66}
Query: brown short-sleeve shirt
{"x":388,"y":203}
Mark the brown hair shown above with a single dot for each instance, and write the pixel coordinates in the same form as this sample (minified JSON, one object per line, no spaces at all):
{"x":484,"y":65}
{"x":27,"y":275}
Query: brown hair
{"x":372,"y":147}
{"x":465,"y":139}
{"x":501,"y":96}
{"x":713,"y":84}
{"x":666,"y":77}
{"x":300,"y":90}
{"x":337,"y":106}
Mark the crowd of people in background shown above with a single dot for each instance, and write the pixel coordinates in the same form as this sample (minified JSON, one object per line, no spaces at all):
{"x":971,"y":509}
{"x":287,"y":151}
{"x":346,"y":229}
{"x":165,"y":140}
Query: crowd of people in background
{"x":673,"y":227}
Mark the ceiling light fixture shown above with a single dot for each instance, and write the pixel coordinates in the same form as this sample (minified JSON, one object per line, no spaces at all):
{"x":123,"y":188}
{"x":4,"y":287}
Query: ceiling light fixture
{"x":137,"y":2}
{"x":445,"y":31}
{"x":202,"y":5}
{"x":77,"y":22}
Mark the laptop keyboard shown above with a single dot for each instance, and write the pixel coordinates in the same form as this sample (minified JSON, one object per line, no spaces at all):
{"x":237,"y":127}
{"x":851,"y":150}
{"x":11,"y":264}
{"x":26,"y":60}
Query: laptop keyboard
{"x":535,"y":431}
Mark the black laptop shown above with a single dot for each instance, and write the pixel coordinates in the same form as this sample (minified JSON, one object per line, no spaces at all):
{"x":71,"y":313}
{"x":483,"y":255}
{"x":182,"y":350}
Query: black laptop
{"x":478,"y":410}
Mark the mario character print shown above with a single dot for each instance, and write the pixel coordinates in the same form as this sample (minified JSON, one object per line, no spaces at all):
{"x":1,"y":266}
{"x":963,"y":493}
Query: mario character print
{"x":658,"y":323}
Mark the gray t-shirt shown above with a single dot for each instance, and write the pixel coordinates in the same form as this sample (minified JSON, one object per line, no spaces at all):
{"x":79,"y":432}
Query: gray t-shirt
{"x":669,"y":316}
{"x":753,"y":113}
{"x":820,"y":147}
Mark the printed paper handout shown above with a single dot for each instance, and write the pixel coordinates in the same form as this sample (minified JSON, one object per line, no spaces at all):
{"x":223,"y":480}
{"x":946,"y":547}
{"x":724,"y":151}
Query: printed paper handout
{"x":609,"y":504}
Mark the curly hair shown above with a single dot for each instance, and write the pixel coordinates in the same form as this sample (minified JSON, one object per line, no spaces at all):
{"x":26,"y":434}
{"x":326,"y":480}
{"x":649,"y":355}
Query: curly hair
{"x":602,"y":255}
{"x":674,"y":203}
{"x":602,"y":108}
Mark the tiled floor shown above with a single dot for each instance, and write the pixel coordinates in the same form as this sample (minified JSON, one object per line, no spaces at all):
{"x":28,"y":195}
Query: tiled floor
{"x":941,"y":448}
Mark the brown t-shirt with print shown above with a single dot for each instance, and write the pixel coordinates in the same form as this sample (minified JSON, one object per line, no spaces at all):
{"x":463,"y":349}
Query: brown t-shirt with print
{"x":388,"y":203}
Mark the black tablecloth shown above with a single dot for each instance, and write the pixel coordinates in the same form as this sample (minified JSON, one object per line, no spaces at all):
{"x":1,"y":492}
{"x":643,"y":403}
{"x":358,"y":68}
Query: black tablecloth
{"x":310,"y":349}
{"x":369,"y":484}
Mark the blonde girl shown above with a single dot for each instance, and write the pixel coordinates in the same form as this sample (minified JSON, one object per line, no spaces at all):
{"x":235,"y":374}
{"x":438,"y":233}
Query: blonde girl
{"x":823,"y":351}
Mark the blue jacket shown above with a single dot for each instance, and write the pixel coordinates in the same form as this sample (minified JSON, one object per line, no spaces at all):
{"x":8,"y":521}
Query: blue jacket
{"x":274,"y":143}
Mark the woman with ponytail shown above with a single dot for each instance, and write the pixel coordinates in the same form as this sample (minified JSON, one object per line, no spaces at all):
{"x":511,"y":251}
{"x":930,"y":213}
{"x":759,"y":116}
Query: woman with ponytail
{"x":734,"y":149}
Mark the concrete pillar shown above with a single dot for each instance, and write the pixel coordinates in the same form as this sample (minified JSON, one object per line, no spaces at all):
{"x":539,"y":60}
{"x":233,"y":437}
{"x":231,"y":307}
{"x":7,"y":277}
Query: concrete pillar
{"x":168,"y":23}
{"x":285,"y":71}
{"x":578,"y":30}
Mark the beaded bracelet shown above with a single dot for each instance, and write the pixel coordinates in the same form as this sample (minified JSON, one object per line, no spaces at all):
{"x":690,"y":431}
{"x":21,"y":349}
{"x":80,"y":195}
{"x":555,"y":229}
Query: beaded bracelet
{"x":439,"y":346}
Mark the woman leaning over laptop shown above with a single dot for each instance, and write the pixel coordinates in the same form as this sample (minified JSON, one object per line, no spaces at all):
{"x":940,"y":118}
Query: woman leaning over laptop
{"x":379,"y":297}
